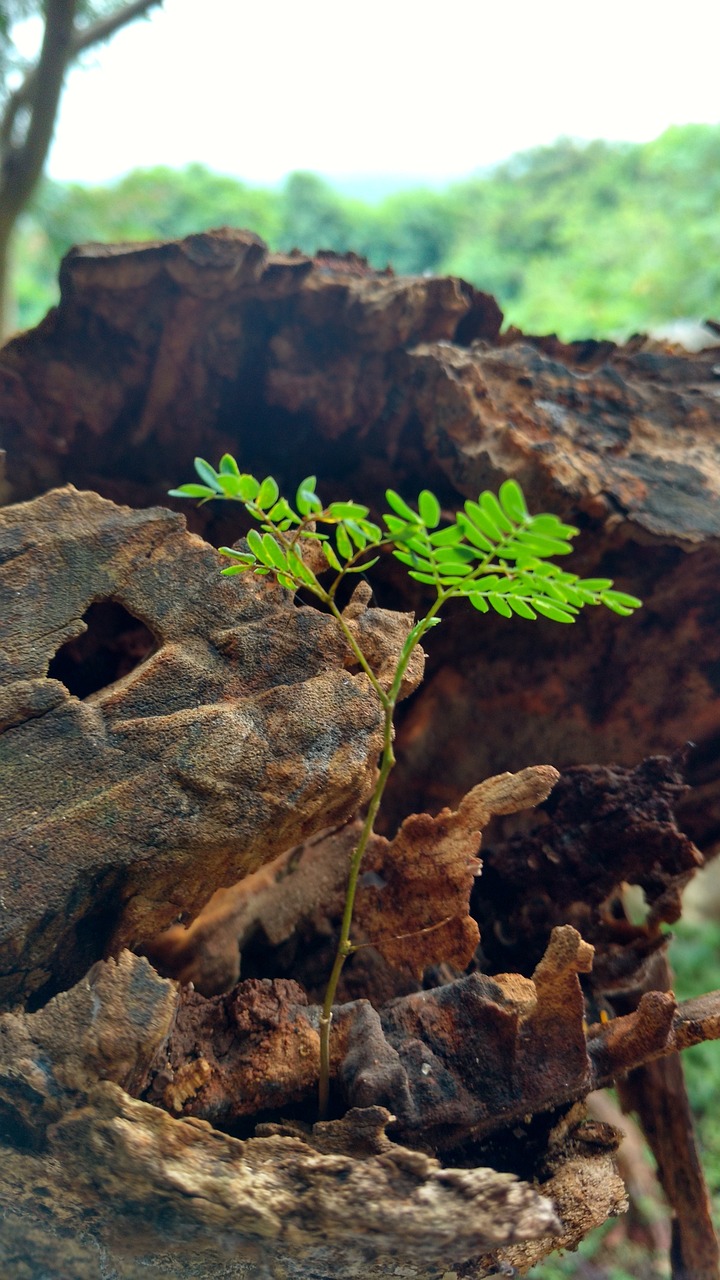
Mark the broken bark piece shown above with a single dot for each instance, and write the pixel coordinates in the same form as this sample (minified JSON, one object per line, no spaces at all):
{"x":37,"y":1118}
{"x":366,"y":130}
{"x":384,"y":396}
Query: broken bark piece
{"x":324,"y":1197}
{"x":452,"y":1064}
{"x":238,"y":736}
{"x":144,"y":1184}
{"x":412,"y":902}
{"x":601,"y":827}
{"x":172,"y":374}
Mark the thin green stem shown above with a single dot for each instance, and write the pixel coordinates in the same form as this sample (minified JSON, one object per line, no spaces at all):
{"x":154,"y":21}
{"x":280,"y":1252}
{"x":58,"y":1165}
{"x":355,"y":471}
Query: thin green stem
{"x":356,"y":559}
{"x":345,"y":946}
{"x":362,"y":660}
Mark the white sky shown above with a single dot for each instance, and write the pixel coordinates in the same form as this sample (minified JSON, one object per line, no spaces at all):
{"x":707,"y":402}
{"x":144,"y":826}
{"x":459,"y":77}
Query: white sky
{"x":258,"y":88}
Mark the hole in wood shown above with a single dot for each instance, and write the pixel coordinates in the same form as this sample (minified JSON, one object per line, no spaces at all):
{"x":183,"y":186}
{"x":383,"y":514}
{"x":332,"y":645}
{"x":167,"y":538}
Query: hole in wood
{"x":114,"y":644}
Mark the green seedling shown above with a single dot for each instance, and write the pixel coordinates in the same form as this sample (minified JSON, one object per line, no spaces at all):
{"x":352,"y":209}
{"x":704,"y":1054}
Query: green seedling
{"x":493,"y":553}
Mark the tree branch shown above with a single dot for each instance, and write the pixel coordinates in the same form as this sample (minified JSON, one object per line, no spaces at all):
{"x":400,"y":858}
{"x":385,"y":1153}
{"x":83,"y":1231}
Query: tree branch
{"x":23,"y":164}
{"x":85,"y":37}
{"x":40,"y":92}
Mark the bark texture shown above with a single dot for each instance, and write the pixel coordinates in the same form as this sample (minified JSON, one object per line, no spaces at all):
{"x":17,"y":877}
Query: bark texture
{"x":161,"y":352}
{"x":174,"y":748}
{"x":241,"y":732}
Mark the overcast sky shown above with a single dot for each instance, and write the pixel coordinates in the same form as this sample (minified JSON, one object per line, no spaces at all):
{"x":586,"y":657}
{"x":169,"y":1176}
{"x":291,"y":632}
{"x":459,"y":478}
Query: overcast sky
{"x":406,"y":88}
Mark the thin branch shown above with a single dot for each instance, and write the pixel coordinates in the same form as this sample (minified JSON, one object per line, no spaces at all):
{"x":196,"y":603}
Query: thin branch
{"x":23,"y":164}
{"x":85,"y":37}
{"x":32,"y":93}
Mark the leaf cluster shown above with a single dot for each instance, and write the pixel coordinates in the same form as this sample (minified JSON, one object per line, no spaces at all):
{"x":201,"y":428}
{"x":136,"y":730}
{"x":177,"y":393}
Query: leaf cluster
{"x":493,"y":551}
{"x":344,"y":539}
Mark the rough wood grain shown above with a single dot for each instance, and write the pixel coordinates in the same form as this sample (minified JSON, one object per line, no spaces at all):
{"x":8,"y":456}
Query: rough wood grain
{"x":240,"y":734}
{"x":134,"y":1187}
{"x":160,"y":352}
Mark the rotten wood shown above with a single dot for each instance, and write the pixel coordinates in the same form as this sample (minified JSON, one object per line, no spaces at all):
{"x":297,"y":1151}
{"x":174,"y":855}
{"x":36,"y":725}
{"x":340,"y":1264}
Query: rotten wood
{"x":295,"y":1195}
{"x":160,"y":352}
{"x":242,"y":731}
{"x":125,"y":1181}
{"x":412,"y":905}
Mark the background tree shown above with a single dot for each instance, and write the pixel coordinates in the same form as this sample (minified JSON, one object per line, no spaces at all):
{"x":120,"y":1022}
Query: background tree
{"x":30,"y":106}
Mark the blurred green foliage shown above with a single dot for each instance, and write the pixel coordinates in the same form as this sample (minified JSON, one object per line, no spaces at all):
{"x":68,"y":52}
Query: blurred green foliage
{"x":596,"y":239}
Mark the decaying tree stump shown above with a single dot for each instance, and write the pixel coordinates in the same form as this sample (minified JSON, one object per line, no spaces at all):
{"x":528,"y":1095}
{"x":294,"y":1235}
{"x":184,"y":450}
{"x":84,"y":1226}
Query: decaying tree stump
{"x":158,"y":353}
{"x":161,"y":736}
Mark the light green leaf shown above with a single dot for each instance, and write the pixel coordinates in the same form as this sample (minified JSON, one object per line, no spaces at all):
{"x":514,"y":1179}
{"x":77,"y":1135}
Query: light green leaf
{"x":360,"y":568}
{"x":257,"y":547}
{"x":356,"y":533}
{"x":454,"y":569}
{"x":478,"y":602}
{"x":248,"y":488}
{"x":235,"y":568}
{"x":618,"y":608}
{"x":306,"y":498}
{"x":373,"y":532}
{"x":595,"y":584}
{"x":512,"y":501}
{"x":520,"y":607}
{"x":400,"y":507}
{"x":553,"y":611}
{"x":448,"y":537}
{"x":554,"y":527}
{"x":621,"y":598}
{"x":347,"y":511}
{"x":422,"y":577}
{"x":274,"y":554}
{"x":331,"y":557}
{"x":282,"y":511}
{"x":546,"y":587}
{"x":500,"y":605}
{"x":463,"y":555}
{"x":245,"y":556}
{"x":472,"y":533}
{"x":193,"y":491}
{"x":541,"y":545}
{"x":429,"y":509}
{"x":208,"y":474}
{"x":481,"y":520}
{"x":399,"y":529}
{"x":571,"y":595}
{"x":343,"y":543}
{"x":413,"y":560}
{"x":494,"y":511}
{"x":268,"y":494}
{"x":231,"y":485}
{"x":228,"y":465}
{"x":300,"y":569}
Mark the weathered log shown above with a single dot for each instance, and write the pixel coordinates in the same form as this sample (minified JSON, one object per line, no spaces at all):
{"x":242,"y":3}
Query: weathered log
{"x":160,"y":352}
{"x":122,"y":1180}
{"x":242,"y":732}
